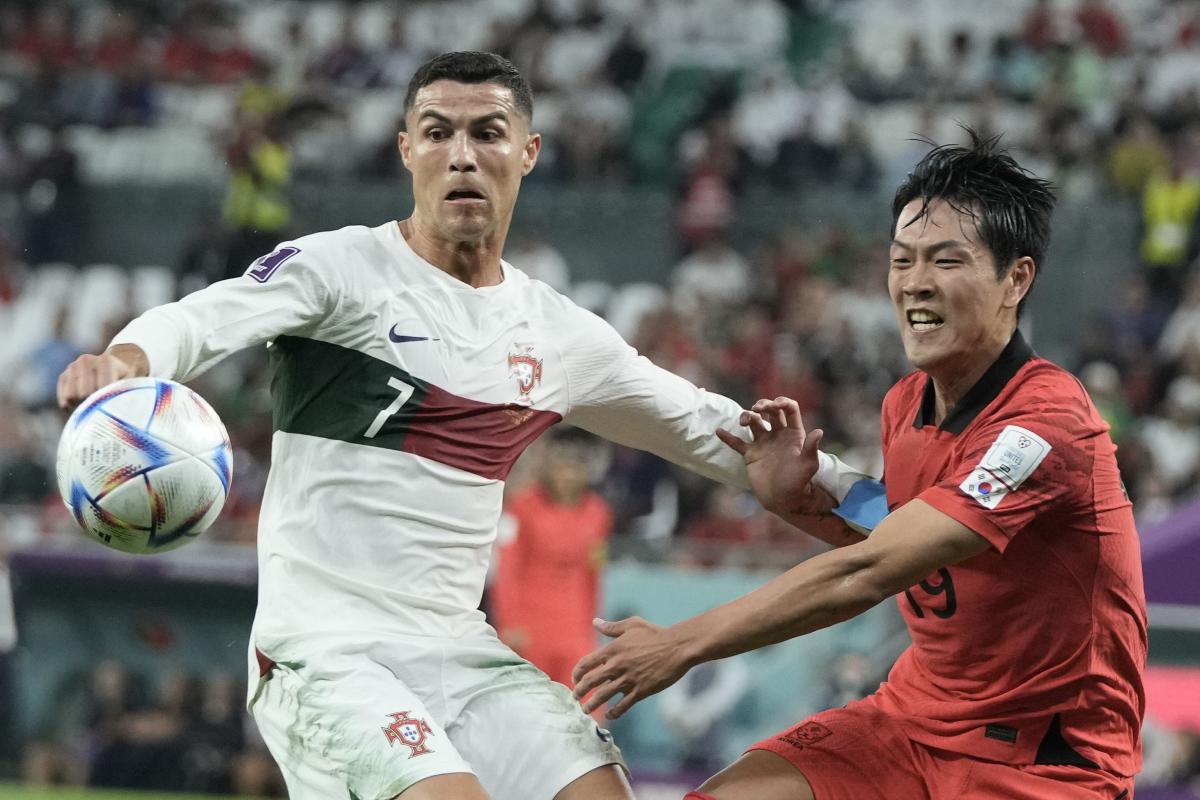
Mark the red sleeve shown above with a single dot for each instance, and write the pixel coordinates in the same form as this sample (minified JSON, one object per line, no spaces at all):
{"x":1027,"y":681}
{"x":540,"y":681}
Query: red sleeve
{"x":1034,"y":461}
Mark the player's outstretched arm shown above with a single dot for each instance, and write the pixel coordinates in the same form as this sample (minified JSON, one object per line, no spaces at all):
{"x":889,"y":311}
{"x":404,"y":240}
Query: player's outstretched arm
{"x":643,"y":659}
{"x":89,"y":372}
{"x":784,"y":464}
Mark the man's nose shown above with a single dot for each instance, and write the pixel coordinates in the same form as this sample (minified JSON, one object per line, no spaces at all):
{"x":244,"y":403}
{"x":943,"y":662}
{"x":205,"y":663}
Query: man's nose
{"x":918,"y":280}
{"x":462,"y":154}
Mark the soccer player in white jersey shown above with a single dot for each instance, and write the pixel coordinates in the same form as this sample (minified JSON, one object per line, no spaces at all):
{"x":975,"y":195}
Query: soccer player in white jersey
{"x":411,"y":368}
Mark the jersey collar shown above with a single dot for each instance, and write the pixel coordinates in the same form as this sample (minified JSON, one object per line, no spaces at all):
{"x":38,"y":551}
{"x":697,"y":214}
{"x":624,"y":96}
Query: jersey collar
{"x":985,"y":390}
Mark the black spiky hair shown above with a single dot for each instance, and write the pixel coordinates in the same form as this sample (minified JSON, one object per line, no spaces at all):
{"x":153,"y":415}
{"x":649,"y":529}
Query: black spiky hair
{"x":1009,"y":205}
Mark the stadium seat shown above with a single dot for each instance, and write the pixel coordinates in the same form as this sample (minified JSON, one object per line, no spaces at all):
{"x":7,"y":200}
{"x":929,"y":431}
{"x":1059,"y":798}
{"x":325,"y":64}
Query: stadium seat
{"x":593,"y":295}
{"x":151,"y":286}
{"x":106,"y":288}
{"x":633,"y":301}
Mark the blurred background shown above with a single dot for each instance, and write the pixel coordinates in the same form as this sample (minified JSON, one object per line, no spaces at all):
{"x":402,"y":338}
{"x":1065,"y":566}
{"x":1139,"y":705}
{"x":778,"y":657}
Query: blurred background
{"x":716,"y":181}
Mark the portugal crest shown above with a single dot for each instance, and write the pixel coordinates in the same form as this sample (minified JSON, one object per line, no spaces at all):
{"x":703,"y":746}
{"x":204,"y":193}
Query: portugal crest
{"x":527,"y":369}
{"x":410,"y":732}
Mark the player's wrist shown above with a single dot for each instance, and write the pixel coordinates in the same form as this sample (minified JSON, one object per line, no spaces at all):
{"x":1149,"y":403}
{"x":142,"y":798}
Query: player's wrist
{"x":133,"y":357}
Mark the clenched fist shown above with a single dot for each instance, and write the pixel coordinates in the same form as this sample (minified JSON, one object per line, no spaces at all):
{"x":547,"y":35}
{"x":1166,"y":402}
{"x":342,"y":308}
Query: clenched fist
{"x":88,"y":373}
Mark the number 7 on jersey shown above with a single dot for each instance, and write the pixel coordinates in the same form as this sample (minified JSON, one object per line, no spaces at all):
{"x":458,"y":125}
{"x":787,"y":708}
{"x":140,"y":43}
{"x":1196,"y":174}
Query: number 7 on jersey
{"x":405,"y":392}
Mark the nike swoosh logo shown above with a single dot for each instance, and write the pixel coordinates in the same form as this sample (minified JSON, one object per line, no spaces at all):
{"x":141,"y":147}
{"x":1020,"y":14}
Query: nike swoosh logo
{"x":399,"y":337}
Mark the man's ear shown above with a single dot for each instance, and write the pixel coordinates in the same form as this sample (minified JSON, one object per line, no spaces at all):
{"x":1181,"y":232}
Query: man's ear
{"x":1020,"y":281}
{"x":533,"y":146}
{"x":402,"y":146}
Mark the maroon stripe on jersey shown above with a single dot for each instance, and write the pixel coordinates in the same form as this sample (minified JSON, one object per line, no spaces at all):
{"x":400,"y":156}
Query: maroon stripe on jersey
{"x":481,"y":438}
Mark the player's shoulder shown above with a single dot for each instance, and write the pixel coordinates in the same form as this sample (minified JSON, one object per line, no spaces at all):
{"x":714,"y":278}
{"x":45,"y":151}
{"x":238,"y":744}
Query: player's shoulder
{"x":1048,"y":399}
{"x":556,"y":311}
{"x":1042,"y":383}
{"x":327,"y":245}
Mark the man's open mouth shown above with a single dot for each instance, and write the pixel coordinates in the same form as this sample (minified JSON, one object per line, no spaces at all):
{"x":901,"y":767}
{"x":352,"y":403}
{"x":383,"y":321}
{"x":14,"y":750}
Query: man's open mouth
{"x":464,"y":194}
{"x":922,"y":320}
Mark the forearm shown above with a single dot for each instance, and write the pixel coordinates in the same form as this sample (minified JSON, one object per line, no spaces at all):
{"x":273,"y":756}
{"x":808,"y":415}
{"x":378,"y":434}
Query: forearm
{"x":816,"y":518}
{"x":820,"y":592}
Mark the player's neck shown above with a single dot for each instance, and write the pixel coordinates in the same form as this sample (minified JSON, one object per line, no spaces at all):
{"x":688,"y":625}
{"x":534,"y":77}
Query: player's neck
{"x":951,"y":382}
{"x":474,"y":263}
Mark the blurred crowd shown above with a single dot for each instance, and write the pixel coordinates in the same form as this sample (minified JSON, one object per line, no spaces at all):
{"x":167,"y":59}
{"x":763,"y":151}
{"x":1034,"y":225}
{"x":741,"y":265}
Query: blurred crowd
{"x":113,"y":728}
{"x":803,"y":314}
{"x":711,"y":99}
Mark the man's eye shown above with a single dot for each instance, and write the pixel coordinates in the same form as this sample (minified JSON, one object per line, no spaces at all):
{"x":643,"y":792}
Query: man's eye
{"x":436,"y":134}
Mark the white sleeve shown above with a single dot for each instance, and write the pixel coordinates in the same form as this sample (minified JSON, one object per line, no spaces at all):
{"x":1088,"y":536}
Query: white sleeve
{"x":836,"y":477}
{"x":617,"y":394}
{"x":185,"y":338}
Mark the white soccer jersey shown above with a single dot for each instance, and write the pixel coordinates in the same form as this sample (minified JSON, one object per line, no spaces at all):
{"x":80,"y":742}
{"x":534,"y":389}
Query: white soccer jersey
{"x":402,"y":397}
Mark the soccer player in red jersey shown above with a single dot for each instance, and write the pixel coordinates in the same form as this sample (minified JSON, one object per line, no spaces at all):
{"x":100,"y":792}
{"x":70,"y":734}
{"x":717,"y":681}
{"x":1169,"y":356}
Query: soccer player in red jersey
{"x":1010,"y":543}
{"x":547,"y":586}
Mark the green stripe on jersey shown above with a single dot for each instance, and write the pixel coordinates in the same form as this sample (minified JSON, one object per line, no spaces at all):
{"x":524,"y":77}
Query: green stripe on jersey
{"x":326,"y":390}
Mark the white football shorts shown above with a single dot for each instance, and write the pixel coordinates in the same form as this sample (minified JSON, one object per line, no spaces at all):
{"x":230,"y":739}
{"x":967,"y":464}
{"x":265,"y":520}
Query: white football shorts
{"x":367,"y":721}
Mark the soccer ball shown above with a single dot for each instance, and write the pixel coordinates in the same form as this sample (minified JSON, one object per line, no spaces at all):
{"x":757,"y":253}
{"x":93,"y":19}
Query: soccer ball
{"x":144,"y":465}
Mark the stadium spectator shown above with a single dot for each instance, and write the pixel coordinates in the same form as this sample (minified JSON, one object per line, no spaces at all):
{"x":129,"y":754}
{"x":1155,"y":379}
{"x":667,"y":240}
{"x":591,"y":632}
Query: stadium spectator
{"x":1101,"y":27}
{"x":184,"y":57}
{"x":538,"y":258}
{"x":1137,"y":155}
{"x":53,"y":204}
{"x":1181,"y":336}
{"x":257,"y":206}
{"x":1170,"y":228}
{"x":699,"y":707}
{"x":1043,"y":26}
{"x":348,"y":63}
{"x":712,"y":276}
{"x":42,"y":367}
{"x":1173,"y":440}
{"x":626,"y":61}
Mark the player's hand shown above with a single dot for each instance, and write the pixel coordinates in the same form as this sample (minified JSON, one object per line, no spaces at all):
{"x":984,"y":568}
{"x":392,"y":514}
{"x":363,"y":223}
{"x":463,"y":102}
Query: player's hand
{"x":88,"y":373}
{"x":643,"y":659}
{"x":782,"y":458}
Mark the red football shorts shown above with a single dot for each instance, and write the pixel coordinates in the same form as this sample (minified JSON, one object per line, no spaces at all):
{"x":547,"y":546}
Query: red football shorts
{"x":859,"y":753}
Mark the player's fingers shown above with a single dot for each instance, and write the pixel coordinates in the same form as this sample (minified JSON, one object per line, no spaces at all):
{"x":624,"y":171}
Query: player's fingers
{"x":756,"y":424}
{"x":610,"y":628}
{"x":106,"y":371}
{"x":588,"y":682}
{"x":626,"y":703}
{"x":79,"y":383}
{"x":791,"y":412}
{"x":735,"y":443}
{"x":812,"y":443}
{"x":586,"y":665}
{"x":773,"y":414}
{"x":61,"y":390}
{"x":602,"y":695}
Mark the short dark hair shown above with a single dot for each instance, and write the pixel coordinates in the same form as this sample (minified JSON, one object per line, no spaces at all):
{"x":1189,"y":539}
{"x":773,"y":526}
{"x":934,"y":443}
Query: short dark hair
{"x":1010,"y":206}
{"x":471,"y":66}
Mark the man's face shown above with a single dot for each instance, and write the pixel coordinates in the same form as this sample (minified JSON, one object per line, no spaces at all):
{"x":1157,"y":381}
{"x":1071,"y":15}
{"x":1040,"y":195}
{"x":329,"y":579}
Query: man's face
{"x":951,"y":307}
{"x":467,"y":147}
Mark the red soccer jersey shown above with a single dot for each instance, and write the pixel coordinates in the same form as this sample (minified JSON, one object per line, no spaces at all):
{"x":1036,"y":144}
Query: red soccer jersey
{"x":548,"y":581}
{"x":1032,"y":652}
